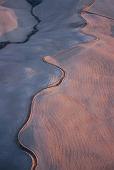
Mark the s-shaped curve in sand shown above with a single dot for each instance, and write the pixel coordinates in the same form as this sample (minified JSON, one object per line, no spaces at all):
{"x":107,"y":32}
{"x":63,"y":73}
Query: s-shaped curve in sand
{"x":55,"y":82}
{"x":22,"y":74}
{"x":71,"y":126}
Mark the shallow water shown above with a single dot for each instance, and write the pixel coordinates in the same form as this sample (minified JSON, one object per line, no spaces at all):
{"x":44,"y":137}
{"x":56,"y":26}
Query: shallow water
{"x":63,"y":117}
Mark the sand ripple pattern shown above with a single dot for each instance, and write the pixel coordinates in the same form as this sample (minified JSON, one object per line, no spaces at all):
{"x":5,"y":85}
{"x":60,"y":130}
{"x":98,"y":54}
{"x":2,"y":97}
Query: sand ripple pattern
{"x":71,"y":124}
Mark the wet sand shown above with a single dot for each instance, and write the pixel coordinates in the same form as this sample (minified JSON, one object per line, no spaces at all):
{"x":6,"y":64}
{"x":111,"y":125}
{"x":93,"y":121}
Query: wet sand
{"x":68,"y":97}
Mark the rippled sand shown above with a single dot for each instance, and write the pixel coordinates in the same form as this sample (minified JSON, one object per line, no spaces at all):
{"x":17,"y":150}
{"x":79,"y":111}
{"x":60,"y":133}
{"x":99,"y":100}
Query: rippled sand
{"x":70,"y":126}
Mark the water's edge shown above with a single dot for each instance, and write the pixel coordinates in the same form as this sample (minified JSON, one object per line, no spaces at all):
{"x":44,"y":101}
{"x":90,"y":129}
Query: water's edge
{"x":63,"y":73}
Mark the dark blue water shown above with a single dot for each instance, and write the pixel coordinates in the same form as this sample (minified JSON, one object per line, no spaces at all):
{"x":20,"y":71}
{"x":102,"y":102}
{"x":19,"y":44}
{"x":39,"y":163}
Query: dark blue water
{"x":34,"y":2}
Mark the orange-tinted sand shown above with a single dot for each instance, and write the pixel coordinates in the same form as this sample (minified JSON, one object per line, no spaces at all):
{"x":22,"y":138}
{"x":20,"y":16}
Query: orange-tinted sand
{"x":71,"y":126}
{"x":8,"y":20}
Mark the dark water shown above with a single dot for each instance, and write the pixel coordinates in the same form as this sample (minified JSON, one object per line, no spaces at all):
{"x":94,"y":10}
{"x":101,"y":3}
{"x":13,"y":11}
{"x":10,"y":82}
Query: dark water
{"x":34,"y":2}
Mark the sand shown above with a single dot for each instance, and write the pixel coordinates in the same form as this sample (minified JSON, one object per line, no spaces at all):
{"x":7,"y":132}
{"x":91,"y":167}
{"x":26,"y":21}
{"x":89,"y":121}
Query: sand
{"x":72,"y":124}
{"x":8,"y":20}
{"x":57,"y":113}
